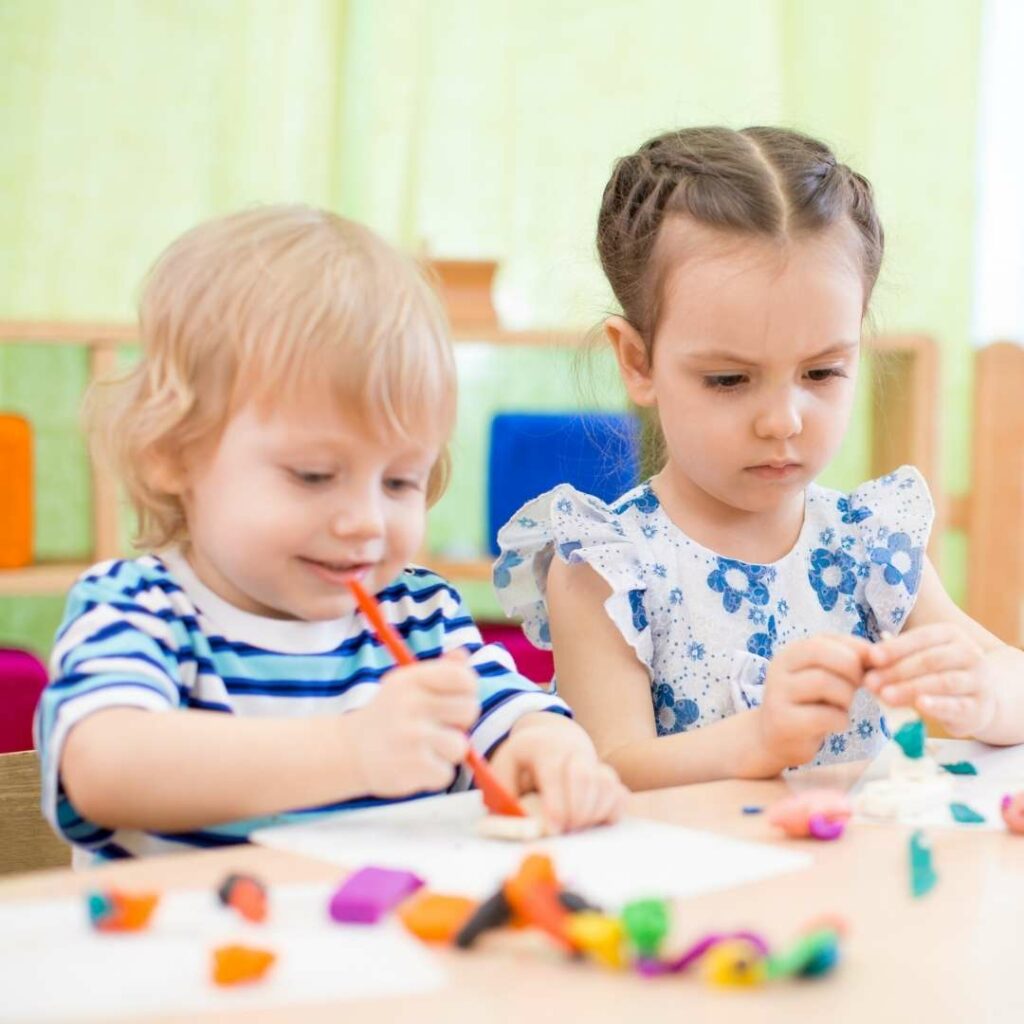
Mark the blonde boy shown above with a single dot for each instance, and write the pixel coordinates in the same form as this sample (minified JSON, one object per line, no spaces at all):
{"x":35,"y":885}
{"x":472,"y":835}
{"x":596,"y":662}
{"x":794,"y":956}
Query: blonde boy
{"x":284,"y":432}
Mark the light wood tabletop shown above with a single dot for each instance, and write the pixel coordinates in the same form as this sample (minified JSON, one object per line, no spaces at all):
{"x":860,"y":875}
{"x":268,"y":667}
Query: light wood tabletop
{"x":952,"y":955}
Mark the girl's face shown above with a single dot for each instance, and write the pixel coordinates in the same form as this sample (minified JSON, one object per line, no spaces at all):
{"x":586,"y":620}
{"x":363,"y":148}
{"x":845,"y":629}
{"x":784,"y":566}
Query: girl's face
{"x":754,"y":363}
{"x":289,"y":506}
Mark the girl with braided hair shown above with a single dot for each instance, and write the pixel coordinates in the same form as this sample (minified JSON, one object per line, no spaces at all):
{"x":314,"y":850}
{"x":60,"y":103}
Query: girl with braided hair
{"x":729,"y":617}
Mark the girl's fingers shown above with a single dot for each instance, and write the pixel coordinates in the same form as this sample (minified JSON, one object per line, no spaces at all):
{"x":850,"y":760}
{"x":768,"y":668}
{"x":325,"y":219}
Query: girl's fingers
{"x":929,"y":661}
{"x":948,"y":711}
{"x":815,"y":686}
{"x":821,"y":719}
{"x":954,"y":683}
{"x":895,"y":648}
{"x":831,"y":653}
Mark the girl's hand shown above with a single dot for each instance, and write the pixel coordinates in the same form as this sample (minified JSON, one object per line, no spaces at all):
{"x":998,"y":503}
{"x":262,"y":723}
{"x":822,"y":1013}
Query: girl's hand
{"x":808,"y":691}
{"x":551,"y":755}
{"x":941,"y":671}
{"x":413,"y":733}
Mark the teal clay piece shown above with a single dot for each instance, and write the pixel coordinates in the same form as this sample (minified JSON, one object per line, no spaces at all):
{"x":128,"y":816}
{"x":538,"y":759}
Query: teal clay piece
{"x":922,"y":872}
{"x":910,"y":737}
{"x":646,"y":924}
{"x":965,"y":815}
{"x":961,"y":768}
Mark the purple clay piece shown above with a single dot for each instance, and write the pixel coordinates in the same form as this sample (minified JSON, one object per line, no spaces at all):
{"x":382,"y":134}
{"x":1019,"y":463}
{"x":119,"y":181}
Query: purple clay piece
{"x":368,"y":894}
{"x":652,"y":968}
{"x":822,"y":828}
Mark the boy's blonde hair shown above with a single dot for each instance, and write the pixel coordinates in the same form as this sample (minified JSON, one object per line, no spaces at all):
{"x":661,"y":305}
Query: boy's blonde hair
{"x":260,"y":306}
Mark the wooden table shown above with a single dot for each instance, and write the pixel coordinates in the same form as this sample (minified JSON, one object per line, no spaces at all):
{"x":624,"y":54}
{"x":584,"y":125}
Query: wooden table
{"x":952,"y":956}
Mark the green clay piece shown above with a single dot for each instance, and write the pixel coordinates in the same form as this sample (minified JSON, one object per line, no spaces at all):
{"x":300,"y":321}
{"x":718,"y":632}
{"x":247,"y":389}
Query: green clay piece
{"x":961,"y":768}
{"x":922,"y":872}
{"x":965,"y":815}
{"x":646,"y":924}
{"x":812,"y":954}
{"x":910,"y":737}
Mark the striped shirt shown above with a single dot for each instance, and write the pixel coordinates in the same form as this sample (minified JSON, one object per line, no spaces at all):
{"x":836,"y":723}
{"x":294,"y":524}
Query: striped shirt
{"x":147,"y":633}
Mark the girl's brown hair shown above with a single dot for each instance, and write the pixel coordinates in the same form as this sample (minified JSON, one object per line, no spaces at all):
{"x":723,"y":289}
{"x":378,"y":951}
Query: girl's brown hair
{"x":766,"y":182}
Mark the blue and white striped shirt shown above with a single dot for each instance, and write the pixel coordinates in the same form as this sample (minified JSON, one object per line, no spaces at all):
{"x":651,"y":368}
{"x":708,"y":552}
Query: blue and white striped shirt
{"x":147,"y":633}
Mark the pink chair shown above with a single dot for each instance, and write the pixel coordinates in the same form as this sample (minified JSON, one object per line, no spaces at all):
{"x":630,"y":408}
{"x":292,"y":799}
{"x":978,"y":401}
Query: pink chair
{"x":534,"y":663}
{"x":22,"y":678}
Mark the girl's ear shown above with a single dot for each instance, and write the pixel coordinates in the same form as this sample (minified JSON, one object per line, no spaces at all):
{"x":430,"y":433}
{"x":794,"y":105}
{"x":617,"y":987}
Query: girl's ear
{"x":634,"y":365}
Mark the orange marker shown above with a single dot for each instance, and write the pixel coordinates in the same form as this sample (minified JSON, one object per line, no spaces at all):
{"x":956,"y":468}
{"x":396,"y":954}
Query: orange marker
{"x":497,"y":799}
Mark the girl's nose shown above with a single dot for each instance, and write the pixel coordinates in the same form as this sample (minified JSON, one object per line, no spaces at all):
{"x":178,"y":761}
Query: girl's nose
{"x":780,"y":418}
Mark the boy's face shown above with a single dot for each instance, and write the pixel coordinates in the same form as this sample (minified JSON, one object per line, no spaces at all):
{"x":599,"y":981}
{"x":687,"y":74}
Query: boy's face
{"x":289,"y":506}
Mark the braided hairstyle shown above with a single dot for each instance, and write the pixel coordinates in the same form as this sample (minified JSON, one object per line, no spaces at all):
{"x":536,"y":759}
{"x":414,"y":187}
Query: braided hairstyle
{"x":767,"y":182}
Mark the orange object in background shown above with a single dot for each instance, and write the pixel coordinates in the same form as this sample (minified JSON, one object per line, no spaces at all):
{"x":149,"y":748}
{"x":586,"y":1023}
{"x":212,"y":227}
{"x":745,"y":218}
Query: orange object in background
{"x":15,"y":491}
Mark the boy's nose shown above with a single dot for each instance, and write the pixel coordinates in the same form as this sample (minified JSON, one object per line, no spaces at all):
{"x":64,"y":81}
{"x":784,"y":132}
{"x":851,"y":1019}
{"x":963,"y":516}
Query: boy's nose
{"x":780,"y":418}
{"x":361,"y":519}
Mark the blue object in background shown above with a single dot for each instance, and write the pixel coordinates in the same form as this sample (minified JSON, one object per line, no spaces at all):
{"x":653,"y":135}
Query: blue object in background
{"x":596,"y":452}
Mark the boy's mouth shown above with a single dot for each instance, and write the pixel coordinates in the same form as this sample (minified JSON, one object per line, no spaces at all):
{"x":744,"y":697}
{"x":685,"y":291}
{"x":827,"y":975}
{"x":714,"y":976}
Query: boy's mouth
{"x":338,"y":573}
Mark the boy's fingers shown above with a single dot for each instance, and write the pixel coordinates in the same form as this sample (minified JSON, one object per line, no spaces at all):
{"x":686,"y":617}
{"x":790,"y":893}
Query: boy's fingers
{"x":447,"y":676}
{"x":456,"y":710}
{"x":449,"y":744}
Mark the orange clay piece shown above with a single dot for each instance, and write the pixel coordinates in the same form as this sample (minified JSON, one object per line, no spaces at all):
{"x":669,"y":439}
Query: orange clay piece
{"x":236,"y":965}
{"x":129,"y":913}
{"x":536,"y":868}
{"x":434,"y":917}
{"x":537,"y":904}
{"x":249,"y":899}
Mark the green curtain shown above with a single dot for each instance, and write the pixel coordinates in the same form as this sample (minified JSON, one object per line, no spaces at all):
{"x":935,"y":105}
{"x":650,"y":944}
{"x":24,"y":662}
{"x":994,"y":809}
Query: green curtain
{"x":461,"y":128}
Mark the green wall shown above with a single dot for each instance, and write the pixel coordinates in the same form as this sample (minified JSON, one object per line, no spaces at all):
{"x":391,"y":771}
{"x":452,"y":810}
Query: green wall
{"x":468,"y":129}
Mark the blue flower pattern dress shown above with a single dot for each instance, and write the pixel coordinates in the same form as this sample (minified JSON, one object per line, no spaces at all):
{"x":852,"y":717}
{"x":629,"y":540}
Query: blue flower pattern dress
{"x":706,"y":626}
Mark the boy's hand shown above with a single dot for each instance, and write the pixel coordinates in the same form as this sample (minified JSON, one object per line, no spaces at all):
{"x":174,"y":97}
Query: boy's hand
{"x":413,"y":733}
{"x":551,"y":755}
{"x":939,"y":670}
{"x":807,"y":695}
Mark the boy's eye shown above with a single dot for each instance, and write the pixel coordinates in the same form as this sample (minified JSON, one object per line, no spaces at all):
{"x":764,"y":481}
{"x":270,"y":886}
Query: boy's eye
{"x":824,"y":373}
{"x":311,"y":477}
{"x":401,"y":484}
{"x":725,"y":381}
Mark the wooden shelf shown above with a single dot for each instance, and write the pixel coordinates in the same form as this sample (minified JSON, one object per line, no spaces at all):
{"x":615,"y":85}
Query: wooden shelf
{"x":474,"y":570}
{"x":40,"y":579}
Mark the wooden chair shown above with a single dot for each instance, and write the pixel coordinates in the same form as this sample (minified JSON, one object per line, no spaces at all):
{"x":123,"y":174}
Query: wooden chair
{"x":27,"y":843}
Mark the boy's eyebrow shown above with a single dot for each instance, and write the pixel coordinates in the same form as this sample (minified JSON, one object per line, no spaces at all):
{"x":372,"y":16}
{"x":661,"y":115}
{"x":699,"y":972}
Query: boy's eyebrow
{"x":723,"y":355}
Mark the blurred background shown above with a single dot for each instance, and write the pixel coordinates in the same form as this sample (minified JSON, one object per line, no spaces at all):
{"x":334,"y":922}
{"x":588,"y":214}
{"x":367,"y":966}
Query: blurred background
{"x":469,"y":130}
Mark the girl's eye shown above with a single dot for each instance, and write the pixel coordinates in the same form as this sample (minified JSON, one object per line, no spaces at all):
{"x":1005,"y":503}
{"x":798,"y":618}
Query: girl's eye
{"x":310,"y":478}
{"x":824,"y":374}
{"x":725,"y":381}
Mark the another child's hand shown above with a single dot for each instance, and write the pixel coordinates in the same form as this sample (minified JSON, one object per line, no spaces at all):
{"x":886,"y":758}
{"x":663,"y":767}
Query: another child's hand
{"x":551,"y":755}
{"x":939,"y":670}
{"x":413,"y":732}
{"x":807,"y":695}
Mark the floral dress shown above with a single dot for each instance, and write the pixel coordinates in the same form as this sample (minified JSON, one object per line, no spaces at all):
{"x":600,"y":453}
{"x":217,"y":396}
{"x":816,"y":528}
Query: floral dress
{"x":704,"y":626}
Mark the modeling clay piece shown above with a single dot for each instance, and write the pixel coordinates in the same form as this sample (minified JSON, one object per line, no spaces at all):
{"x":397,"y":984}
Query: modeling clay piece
{"x":366,"y":896}
{"x":116,"y":911}
{"x":1012,"y":808}
{"x":246,"y":894}
{"x":433,"y":917}
{"x":910,"y":737}
{"x":734,"y":963}
{"x":236,"y":965}
{"x":574,"y":903}
{"x":753,"y":809}
{"x":813,"y":954}
{"x":819,"y":813}
{"x":922,"y":872}
{"x":599,"y":936}
{"x":965,"y":815}
{"x":960,"y":768}
{"x":652,"y":968}
{"x":646,"y":924}
{"x":492,"y":913}
{"x":503,"y":826}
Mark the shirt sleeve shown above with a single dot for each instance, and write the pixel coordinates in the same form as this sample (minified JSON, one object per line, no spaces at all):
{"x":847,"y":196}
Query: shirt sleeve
{"x":109,"y":652}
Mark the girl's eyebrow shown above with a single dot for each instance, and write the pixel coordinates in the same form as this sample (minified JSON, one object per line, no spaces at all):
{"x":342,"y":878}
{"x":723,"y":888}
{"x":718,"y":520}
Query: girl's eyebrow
{"x":723,"y":355}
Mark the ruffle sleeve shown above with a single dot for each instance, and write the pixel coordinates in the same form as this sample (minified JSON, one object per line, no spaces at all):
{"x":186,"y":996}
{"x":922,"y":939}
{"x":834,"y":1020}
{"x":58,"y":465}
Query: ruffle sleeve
{"x":575,"y":527}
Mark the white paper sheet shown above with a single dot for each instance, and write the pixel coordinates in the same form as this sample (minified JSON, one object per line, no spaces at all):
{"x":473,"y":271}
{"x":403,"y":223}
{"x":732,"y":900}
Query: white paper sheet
{"x":436,"y":838}
{"x":53,"y":966}
{"x":1000,"y":771}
